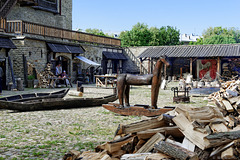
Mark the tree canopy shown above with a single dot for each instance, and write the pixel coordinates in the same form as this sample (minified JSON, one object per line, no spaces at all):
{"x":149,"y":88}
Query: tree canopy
{"x":141,"y":35}
{"x":96,"y":32}
{"x":219,"y":35}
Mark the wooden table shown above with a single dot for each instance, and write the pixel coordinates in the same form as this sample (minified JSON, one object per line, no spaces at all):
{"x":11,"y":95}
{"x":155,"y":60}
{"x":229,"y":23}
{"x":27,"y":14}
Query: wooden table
{"x":53,"y":81}
{"x":100,"y":83}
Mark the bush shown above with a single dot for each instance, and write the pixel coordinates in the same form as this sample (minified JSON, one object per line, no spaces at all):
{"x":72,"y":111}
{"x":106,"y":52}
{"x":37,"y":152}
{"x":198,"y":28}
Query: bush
{"x":31,"y":77}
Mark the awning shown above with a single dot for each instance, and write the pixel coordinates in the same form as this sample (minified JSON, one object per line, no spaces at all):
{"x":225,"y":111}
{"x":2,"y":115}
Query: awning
{"x":7,"y":43}
{"x":114,"y":55}
{"x":88,"y":61}
{"x":62,"y":48}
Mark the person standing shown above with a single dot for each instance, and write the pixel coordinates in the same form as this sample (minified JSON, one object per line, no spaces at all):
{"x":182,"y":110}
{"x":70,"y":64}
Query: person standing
{"x":1,"y":75}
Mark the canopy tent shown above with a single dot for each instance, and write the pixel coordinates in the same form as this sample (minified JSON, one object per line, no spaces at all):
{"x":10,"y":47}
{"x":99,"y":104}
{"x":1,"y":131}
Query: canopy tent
{"x":87,"y":61}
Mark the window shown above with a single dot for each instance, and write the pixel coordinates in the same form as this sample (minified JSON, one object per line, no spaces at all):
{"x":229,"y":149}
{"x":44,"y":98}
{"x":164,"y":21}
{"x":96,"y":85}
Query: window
{"x":48,"y":5}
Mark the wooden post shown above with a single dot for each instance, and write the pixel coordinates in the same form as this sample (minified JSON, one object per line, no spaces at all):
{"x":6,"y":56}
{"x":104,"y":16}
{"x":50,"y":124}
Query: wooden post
{"x":25,"y":69}
{"x":191,"y":64}
{"x":140,"y":65}
{"x":181,"y":73}
{"x":149,"y":60}
{"x":218,"y":67}
{"x":12,"y":73}
{"x":165,"y":71}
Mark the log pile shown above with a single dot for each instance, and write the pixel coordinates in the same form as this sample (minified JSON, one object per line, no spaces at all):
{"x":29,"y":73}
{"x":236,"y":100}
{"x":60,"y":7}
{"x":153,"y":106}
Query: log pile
{"x":186,"y":133}
{"x":44,"y":77}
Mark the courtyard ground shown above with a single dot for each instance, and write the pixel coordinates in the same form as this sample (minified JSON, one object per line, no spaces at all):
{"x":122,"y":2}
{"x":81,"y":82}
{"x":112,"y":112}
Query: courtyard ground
{"x":51,"y":134}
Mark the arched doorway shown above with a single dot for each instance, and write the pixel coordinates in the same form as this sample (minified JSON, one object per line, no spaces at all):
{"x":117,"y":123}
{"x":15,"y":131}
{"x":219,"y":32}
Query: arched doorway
{"x":65,"y":63}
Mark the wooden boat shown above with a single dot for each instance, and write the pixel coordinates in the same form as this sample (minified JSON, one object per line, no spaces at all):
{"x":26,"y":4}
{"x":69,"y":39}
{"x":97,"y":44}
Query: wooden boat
{"x":136,"y":110}
{"x":55,"y":103}
{"x":32,"y":96}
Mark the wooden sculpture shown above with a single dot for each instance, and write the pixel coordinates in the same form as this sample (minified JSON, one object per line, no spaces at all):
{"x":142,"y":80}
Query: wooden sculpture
{"x":125,"y":80}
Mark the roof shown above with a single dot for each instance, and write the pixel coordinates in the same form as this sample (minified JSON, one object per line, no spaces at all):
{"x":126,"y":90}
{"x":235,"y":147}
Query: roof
{"x":88,"y":61}
{"x":62,"y":48}
{"x":7,"y":43}
{"x":114,"y":55}
{"x":219,"y":50}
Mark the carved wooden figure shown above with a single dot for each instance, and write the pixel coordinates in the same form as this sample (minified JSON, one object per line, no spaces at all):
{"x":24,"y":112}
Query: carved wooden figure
{"x":125,"y":80}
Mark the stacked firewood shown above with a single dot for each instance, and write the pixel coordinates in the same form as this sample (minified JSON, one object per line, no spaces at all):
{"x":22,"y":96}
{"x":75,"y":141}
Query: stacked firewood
{"x":228,"y":98}
{"x":210,"y":132}
{"x":44,"y":77}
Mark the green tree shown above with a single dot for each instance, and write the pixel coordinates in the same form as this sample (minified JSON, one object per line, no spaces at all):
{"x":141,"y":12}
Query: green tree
{"x":95,"y":31}
{"x":141,"y":35}
{"x":219,"y":35}
{"x":199,"y":42}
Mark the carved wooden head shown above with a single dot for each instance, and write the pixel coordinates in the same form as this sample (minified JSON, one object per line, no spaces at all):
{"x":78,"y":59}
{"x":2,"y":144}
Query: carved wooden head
{"x":164,"y":59}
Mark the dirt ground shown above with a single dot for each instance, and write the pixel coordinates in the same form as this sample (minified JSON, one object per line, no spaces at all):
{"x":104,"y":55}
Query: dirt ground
{"x":51,"y":134}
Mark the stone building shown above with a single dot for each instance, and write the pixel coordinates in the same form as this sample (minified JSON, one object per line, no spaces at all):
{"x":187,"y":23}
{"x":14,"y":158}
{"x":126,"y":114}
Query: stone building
{"x":42,"y":32}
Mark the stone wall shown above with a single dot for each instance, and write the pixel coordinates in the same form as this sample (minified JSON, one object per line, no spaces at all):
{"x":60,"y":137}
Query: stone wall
{"x":138,"y":50}
{"x":27,"y":13}
{"x":35,"y":52}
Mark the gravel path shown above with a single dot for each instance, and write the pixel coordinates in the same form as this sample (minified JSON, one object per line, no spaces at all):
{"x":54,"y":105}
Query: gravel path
{"x":51,"y":134}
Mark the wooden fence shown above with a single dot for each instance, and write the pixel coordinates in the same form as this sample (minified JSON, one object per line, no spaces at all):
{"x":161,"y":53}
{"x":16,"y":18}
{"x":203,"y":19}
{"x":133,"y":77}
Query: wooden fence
{"x":2,"y":24}
{"x":23,"y":27}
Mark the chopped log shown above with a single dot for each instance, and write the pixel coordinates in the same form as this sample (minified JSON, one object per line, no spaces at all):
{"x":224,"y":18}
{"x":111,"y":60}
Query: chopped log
{"x":118,"y":154}
{"x":142,"y":125}
{"x":188,"y":144}
{"x":200,"y":113}
{"x":220,"y":127}
{"x":148,"y":146}
{"x":146,"y":156}
{"x":141,"y":156}
{"x":218,"y":139}
{"x":139,"y":145}
{"x":175,"y":151}
{"x":71,"y":155}
{"x":221,"y":107}
{"x":87,"y":155}
{"x":187,"y":129}
{"x":158,"y":156}
{"x":130,"y":146}
{"x":221,"y":148}
{"x":173,"y":131}
{"x":114,"y":146}
{"x":230,"y":122}
{"x":228,"y":106}
{"x":202,"y":154}
{"x":233,"y":100}
{"x":228,"y":154}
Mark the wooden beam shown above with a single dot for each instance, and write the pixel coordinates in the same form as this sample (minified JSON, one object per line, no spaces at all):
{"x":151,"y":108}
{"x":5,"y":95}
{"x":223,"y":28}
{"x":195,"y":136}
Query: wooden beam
{"x":218,"y":67}
{"x":25,"y":69}
{"x":149,"y":65}
{"x":12,"y":73}
{"x":191,"y":64}
{"x":140,"y":65}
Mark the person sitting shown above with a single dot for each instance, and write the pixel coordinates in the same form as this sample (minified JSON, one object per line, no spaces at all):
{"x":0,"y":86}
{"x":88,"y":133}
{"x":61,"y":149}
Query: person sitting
{"x":58,"y":70}
{"x":65,"y":76}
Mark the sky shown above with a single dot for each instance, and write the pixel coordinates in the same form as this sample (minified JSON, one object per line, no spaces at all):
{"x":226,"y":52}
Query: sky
{"x":188,"y":16}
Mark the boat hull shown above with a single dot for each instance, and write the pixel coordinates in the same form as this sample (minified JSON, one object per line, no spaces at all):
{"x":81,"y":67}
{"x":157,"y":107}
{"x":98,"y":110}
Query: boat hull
{"x":136,"y":110}
{"x":56,"y":103}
